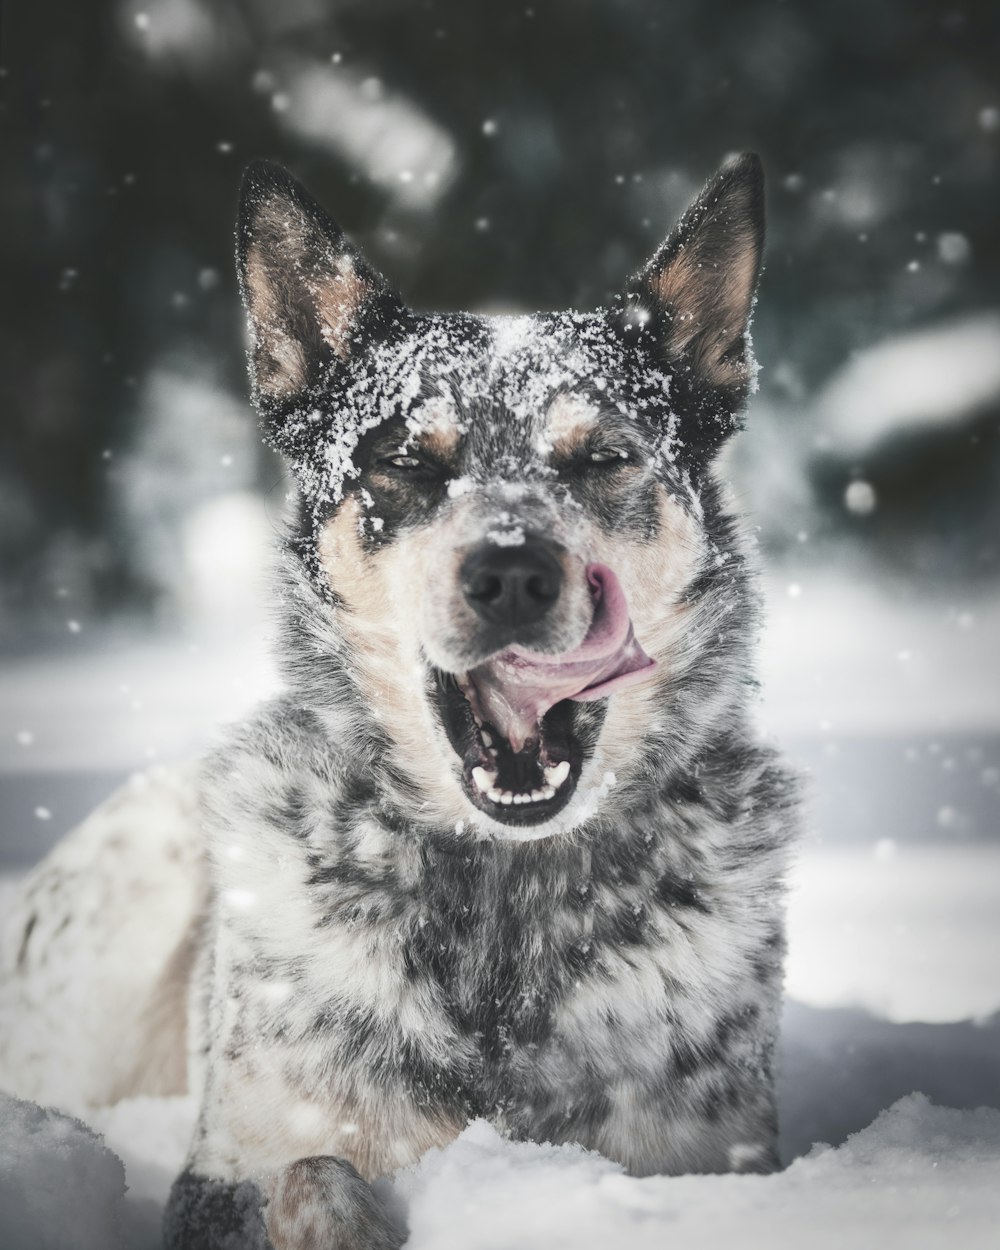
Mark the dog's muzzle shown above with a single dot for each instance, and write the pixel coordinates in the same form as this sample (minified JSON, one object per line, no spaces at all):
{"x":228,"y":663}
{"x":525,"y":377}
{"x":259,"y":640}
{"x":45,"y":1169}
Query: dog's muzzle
{"x":511,"y":718}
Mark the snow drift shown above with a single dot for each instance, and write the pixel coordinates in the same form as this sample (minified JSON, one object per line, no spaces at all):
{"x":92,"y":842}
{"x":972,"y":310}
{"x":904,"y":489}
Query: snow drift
{"x":921,"y":1176}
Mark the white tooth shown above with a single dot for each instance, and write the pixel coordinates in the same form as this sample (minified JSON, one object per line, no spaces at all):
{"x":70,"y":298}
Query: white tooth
{"x":537,"y":796}
{"x":557,"y":774}
{"x":483,"y":778}
{"x":493,"y":796}
{"x":548,"y":793}
{"x":506,"y":798}
{"x":494,"y":752}
{"x":521,"y":798}
{"x":487,"y":740}
{"x":479,"y":723}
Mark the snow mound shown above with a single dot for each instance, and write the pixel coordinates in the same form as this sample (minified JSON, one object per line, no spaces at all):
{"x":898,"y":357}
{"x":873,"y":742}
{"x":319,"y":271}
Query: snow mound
{"x":919,"y":1176}
{"x":60,"y":1186}
{"x":838,"y":1068}
{"x":152,"y":1135}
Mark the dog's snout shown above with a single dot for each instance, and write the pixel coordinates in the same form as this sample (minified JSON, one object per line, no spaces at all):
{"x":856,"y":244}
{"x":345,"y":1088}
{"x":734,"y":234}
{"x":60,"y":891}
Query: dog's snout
{"x":512,"y":586}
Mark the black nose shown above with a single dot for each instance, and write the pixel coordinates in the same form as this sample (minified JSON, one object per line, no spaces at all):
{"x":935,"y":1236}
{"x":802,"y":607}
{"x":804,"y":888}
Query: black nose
{"x":512,"y":585}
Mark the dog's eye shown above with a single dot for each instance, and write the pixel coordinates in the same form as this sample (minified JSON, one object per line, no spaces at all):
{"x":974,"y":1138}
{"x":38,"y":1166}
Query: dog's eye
{"x":400,"y":463}
{"x":608,"y":455}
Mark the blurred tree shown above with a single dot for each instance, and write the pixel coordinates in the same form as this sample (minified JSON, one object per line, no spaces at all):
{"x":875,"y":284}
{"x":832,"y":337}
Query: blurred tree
{"x":484,"y":154}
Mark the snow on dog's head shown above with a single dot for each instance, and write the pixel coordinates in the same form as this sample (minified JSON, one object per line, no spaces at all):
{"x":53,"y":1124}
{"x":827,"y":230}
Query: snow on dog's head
{"x":502,"y":518}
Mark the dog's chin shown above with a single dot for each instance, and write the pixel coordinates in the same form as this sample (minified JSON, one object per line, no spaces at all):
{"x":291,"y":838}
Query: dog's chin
{"x":522,"y":791}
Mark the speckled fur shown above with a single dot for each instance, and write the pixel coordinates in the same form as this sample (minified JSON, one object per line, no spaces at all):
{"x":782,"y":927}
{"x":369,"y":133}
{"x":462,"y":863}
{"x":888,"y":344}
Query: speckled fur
{"x":381,"y":961}
{"x":387,"y":964}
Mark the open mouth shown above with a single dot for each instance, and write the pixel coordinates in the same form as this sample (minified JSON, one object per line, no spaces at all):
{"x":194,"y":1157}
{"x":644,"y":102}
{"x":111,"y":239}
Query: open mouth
{"x":514,"y":720}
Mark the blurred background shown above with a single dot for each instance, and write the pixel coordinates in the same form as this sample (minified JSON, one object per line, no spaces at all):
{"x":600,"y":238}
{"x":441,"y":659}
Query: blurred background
{"x":502,"y":156}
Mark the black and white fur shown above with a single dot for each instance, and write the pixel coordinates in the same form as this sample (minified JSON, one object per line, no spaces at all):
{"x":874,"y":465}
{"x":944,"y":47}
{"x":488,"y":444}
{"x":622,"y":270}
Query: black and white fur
{"x":381,"y":952}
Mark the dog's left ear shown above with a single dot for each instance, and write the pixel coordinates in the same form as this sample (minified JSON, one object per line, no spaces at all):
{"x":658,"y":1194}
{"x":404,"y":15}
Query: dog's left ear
{"x":311,"y":298}
{"x":697,"y":292}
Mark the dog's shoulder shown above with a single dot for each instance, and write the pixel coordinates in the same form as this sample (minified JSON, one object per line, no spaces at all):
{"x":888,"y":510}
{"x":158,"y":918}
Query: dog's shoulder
{"x":279,"y":748}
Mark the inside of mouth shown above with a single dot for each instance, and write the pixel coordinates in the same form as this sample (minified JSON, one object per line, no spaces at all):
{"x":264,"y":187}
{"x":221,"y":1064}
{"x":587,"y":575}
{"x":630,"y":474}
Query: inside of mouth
{"x":532,"y":774}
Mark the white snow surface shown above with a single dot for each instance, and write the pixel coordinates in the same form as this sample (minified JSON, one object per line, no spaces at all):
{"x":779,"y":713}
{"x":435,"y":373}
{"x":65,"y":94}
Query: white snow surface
{"x":907,"y":932}
{"x":919,"y":1176}
{"x":842,"y":651}
{"x":928,"y":380}
{"x":60,"y":1186}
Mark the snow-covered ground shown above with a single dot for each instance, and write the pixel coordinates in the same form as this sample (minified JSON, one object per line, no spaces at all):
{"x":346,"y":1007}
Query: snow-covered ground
{"x":907,"y":932}
{"x":920,"y":1176}
{"x":893,"y":972}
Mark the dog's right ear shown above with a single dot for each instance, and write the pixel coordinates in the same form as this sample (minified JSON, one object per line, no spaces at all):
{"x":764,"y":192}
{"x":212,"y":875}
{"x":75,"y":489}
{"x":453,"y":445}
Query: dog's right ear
{"x":311,"y":298}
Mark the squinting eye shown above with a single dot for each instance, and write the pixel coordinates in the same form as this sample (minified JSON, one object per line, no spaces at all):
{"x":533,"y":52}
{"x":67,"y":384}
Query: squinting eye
{"x":608,"y":455}
{"x":405,"y":462}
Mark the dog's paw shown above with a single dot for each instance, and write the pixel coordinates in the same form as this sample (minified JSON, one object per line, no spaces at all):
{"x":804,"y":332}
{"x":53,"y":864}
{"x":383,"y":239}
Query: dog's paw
{"x":324,"y":1204}
{"x":313,"y":1204}
{"x":206,"y":1214}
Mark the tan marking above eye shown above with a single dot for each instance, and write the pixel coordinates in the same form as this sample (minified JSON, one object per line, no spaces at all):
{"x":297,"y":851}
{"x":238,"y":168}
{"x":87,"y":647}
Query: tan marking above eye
{"x":568,"y":423}
{"x":436,"y":428}
{"x":439,"y":444}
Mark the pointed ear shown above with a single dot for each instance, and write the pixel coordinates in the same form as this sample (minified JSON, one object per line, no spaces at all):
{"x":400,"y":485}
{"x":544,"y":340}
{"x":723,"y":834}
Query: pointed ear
{"x":311,"y":298}
{"x":697,"y":292}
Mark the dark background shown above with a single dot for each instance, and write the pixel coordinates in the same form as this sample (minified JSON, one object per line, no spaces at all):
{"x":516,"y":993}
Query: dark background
{"x":499,"y":156}
{"x":486,"y":155}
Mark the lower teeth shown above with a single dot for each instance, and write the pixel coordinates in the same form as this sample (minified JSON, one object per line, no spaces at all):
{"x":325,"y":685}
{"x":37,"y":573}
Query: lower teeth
{"x":557,"y":774}
{"x":485,"y":780}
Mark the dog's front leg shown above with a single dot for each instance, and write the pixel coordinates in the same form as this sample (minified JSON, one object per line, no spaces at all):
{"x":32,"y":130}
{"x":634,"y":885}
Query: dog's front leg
{"x":320,"y":1203}
{"x":290,"y":1130}
{"x":281,"y":1155}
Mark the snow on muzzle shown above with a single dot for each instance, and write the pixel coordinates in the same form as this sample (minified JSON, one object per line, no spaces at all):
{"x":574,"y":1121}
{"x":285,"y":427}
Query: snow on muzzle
{"x":515,"y":689}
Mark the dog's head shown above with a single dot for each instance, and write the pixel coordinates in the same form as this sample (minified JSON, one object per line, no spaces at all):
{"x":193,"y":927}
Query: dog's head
{"x":502,"y":517}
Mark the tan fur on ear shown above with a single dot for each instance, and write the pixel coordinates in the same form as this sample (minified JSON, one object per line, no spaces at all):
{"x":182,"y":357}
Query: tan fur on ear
{"x":710,"y":301}
{"x":304,"y":285}
{"x":338,"y":302}
{"x":705,"y":275}
{"x":278,"y":359}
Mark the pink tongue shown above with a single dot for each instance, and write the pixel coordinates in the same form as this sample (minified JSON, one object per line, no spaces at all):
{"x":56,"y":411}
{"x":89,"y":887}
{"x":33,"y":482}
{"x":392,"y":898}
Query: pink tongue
{"x":515,"y":689}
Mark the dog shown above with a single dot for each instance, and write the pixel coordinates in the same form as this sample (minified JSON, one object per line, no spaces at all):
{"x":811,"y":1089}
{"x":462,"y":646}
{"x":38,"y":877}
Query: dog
{"x":507,"y":847}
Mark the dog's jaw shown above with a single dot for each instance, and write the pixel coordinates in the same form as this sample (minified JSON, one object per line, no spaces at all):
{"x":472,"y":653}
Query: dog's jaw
{"x":520,"y":790}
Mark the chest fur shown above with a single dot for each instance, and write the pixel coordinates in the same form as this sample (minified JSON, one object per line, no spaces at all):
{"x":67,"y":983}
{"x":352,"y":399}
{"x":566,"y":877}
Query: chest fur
{"x":494,"y":980}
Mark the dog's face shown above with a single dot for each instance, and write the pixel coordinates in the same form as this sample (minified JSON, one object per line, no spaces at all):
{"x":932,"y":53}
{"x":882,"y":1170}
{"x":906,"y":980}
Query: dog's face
{"x":503,"y":510}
